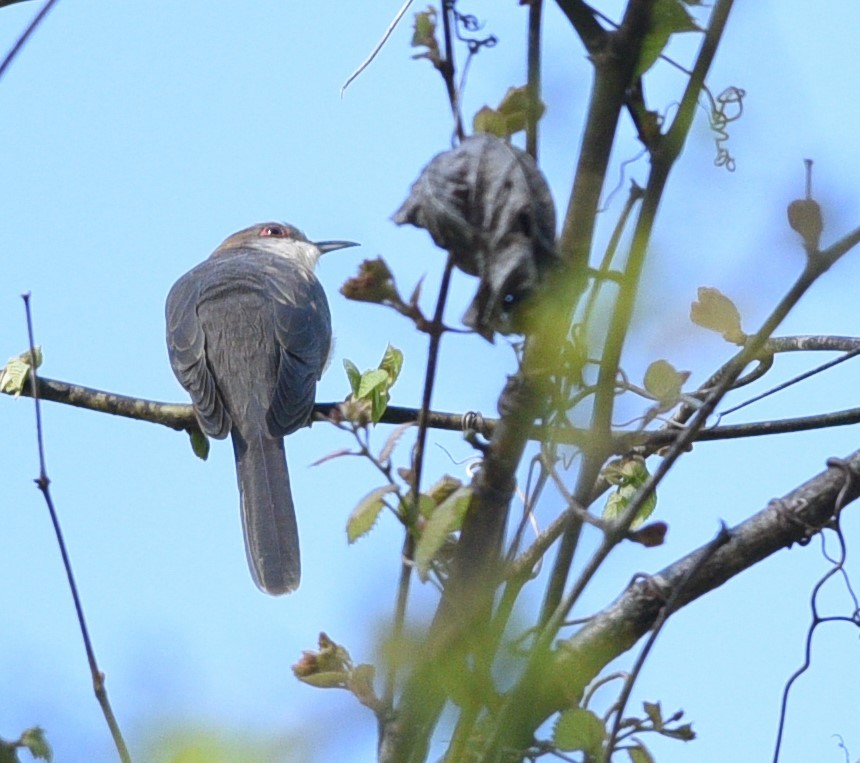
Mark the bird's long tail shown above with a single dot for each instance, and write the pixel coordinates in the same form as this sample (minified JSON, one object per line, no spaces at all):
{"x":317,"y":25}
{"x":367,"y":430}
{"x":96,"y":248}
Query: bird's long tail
{"x":268,"y":516}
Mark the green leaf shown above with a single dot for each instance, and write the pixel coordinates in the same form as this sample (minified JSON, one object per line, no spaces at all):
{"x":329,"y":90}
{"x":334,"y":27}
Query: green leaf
{"x":34,"y":740}
{"x":199,"y":444}
{"x":490,"y":121}
{"x":364,"y":515}
{"x":716,"y":312}
{"x":426,"y":506}
{"x":361,"y":684}
{"x":639,"y":754}
{"x":685,"y":733}
{"x":445,"y":519}
{"x":331,"y":679}
{"x":370,"y":381}
{"x":510,"y":117}
{"x":654,"y":713}
{"x":424,"y":36}
{"x":353,"y":374}
{"x":379,"y":402}
{"x":668,"y":17}
{"x":804,"y":215}
{"x":443,"y":488}
{"x":13,"y":376}
{"x":374,"y":283}
{"x":328,"y":668}
{"x":629,"y":474}
{"x":425,"y":27}
{"x":578,"y":729}
{"x":664,"y":382}
{"x":373,"y":385}
{"x":392,"y":361}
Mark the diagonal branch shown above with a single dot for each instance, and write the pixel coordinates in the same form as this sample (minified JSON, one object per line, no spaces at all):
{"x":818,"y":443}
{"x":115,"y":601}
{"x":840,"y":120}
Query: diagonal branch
{"x":797,"y":516}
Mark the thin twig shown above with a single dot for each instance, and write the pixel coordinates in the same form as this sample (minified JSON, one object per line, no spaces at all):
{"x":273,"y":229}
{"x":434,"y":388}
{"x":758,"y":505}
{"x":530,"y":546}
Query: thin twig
{"x":448,"y":69}
{"x":613,"y":75}
{"x":16,"y":48}
{"x":373,"y":53}
{"x":180,"y":416}
{"x":838,"y":567}
{"x":722,"y":537}
{"x":794,"y":380}
{"x":44,"y":485}
{"x":417,"y":467}
{"x":534,"y":77}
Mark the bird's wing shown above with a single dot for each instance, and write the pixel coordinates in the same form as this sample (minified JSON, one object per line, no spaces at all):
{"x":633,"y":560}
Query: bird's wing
{"x":303,"y":332}
{"x":186,"y":346}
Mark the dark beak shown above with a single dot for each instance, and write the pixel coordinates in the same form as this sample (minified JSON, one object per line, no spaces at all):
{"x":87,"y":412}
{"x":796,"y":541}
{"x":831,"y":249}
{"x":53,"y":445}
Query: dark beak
{"x":331,"y":246}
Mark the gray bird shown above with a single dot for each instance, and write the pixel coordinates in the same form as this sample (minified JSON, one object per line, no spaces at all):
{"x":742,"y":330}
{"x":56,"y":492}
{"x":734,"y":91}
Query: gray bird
{"x":249,"y":335}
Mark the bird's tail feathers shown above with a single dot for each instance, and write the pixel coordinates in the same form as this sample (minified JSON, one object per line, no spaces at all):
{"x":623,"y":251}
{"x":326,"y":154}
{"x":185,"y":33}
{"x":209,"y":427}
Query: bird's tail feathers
{"x":268,"y":516}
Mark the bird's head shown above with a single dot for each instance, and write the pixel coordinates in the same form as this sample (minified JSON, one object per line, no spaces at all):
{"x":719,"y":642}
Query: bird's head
{"x":284,"y":240}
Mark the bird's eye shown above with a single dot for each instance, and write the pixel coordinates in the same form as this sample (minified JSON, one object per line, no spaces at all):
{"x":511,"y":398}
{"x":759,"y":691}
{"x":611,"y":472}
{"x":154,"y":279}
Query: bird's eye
{"x":274,"y":230}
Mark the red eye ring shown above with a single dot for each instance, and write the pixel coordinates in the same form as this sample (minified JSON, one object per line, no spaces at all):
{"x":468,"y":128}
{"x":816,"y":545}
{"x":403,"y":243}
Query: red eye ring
{"x":278,"y":231}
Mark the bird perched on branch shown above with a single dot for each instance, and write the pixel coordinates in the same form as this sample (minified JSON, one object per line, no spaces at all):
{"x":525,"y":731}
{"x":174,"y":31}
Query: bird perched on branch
{"x":249,"y":335}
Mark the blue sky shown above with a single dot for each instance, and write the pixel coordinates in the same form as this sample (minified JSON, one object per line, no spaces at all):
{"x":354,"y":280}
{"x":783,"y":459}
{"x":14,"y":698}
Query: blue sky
{"x":135,"y":138}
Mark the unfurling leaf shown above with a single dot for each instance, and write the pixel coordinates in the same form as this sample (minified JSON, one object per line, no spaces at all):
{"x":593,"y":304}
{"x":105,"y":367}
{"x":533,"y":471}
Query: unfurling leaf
{"x":510,"y":117}
{"x":353,"y":374}
{"x":443,"y":488}
{"x":715,"y":311}
{"x":685,"y":733}
{"x":490,"y":121}
{"x":328,"y":668}
{"x":804,"y":215}
{"x":392,"y":362}
{"x":370,"y":381}
{"x":13,"y":376}
{"x":371,"y":388}
{"x":664,"y":382}
{"x":34,"y":741}
{"x":654,"y":713}
{"x":364,"y":515}
{"x":639,"y":754}
{"x":668,"y":17}
{"x":374,"y":283}
{"x":199,"y":444}
{"x":445,"y":519}
{"x":424,"y":36}
{"x":359,"y":412}
{"x":629,"y":475}
{"x":578,"y":729}
{"x":361,"y":684}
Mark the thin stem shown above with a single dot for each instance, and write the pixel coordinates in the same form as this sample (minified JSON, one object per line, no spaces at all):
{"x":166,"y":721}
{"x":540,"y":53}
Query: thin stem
{"x":663,"y":158}
{"x":668,"y":608}
{"x":43,"y":483}
{"x":16,"y":48}
{"x":448,"y":69}
{"x":180,"y":416}
{"x":534,"y":77}
{"x":636,"y":193}
{"x":437,"y":329}
{"x":373,"y":53}
{"x":615,"y":57}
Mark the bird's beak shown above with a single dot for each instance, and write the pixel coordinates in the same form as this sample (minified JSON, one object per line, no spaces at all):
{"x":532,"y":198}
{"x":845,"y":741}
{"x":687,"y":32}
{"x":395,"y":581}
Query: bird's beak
{"x":331,"y":246}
